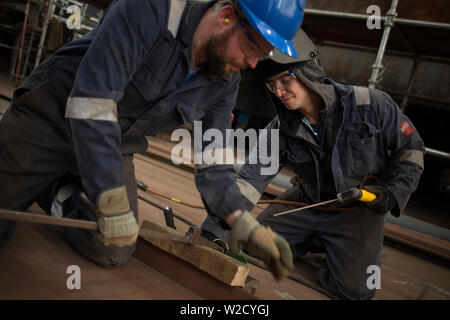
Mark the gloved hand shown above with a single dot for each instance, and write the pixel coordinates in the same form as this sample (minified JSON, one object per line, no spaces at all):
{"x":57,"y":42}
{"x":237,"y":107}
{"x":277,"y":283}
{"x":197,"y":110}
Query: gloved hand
{"x":385,"y":200}
{"x":262,"y":242}
{"x":116,"y":221}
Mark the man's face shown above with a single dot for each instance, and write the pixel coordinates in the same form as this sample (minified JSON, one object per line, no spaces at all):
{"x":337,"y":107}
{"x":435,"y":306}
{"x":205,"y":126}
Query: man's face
{"x":292,"y":93}
{"x":217,"y":54}
{"x":232,"y":50}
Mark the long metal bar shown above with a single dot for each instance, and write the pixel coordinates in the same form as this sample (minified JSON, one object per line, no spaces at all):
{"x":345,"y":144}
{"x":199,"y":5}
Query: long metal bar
{"x":307,"y":207}
{"x":412,"y":75}
{"x":438,"y":153}
{"x":162,"y":208}
{"x":7,"y":46}
{"x":34,"y":26}
{"x":22,"y":40}
{"x":14,"y":61}
{"x":389,"y":52}
{"x":51,"y":10}
{"x":37,"y":218}
{"x":357,"y":16}
{"x":389,"y":23}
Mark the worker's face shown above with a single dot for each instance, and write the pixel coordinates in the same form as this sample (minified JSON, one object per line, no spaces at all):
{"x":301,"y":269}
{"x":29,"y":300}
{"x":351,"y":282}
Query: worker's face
{"x":292,"y":93}
{"x":236,"y":48}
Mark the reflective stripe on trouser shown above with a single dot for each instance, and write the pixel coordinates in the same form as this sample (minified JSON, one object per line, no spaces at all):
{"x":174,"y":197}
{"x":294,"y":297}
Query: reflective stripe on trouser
{"x":86,"y":241}
{"x":35,"y":153}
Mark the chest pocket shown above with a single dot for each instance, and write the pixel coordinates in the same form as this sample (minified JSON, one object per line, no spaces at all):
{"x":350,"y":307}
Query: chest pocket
{"x":189,"y":113}
{"x":157,"y":68}
{"x":358,"y":148}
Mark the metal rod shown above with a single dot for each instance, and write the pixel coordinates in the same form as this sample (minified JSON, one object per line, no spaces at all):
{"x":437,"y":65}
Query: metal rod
{"x":14,"y":60}
{"x":7,"y":46}
{"x":51,"y":9}
{"x":389,"y":23}
{"x":357,"y":16}
{"x":307,"y":207}
{"x":34,"y":26}
{"x":24,"y":31}
{"x":412,"y":75}
{"x":405,"y":55}
{"x":162,"y":208}
{"x":56,"y":221}
{"x":438,"y":153}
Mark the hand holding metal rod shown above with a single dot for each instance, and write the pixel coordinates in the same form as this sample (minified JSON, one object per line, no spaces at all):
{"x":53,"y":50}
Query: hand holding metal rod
{"x":351,"y":194}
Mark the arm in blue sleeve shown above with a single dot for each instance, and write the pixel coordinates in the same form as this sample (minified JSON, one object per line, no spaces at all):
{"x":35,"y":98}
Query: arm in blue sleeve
{"x":223,"y":191}
{"x":119,"y":45}
{"x":216,"y":182}
{"x":406,"y":149}
{"x":256,"y":174}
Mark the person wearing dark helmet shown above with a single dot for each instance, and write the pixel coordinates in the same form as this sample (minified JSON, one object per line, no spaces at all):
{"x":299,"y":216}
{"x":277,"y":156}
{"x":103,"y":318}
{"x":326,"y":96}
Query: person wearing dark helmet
{"x":68,"y":138}
{"x":336,"y":137}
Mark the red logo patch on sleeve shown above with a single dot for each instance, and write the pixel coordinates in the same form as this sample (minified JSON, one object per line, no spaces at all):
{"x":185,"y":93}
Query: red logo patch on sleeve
{"x":406,"y":129}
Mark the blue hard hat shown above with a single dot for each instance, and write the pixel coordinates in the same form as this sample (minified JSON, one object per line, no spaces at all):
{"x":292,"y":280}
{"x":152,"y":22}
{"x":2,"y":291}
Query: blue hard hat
{"x":276,"y":20}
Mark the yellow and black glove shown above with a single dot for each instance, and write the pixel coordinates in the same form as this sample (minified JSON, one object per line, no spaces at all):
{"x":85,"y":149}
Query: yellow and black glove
{"x":384,"y":202}
{"x":262,"y":242}
{"x":116,"y":221}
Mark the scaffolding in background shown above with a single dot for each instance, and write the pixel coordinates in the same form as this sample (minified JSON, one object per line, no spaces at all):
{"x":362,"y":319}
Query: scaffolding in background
{"x":391,"y":22}
{"x":38,"y":16}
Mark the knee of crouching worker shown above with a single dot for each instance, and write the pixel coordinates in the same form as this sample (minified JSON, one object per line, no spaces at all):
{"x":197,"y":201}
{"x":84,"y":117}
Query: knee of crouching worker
{"x":117,"y":257}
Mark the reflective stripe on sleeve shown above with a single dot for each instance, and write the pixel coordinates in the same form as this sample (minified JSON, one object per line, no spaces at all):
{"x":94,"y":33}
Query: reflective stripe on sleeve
{"x":248,"y":191}
{"x":91,"y":109}
{"x":412,"y":155}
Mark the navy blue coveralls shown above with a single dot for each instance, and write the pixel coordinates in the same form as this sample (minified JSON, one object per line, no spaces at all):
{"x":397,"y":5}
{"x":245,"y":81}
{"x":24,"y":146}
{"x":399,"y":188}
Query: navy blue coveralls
{"x":364,"y":134}
{"x":87,"y":108}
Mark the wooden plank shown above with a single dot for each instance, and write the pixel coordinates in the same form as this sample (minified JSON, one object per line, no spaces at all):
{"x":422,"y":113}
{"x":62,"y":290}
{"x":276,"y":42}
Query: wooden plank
{"x":187,"y":274}
{"x":218,"y":265}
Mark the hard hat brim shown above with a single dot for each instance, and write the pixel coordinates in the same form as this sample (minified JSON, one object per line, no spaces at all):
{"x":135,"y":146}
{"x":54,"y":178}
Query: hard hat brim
{"x":304,"y":46}
{"x":284,"y":45}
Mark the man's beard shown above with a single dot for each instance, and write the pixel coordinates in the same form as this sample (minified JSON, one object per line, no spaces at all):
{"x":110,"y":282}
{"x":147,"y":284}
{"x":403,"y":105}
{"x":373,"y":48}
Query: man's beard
{"x":215,"y":50}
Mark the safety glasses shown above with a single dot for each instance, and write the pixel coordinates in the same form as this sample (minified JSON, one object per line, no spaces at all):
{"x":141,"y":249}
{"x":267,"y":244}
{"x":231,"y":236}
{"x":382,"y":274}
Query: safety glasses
{"x":284,"y":81}
{"x":255,"y":46}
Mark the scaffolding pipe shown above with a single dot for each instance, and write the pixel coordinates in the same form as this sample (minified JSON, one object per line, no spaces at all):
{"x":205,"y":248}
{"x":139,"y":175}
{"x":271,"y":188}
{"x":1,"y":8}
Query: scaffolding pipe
{"x":438,"y":153}
{"x":389,"y":23}
{"x":51,"y":9}
{"x":35,"y":26}
{"x":22,"y":40}
{"x":357,"y":16}
{"x":412,"y":75}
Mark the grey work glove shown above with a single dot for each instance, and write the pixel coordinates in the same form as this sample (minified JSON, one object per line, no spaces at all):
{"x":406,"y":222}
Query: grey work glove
{"x":116,"y":222}
{"x":262,"y":242}
{"x":384,"y":202}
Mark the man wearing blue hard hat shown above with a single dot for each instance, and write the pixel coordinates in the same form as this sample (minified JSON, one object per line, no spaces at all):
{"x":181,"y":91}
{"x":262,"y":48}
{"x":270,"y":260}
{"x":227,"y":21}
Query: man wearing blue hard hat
{"x":68,"y":137}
